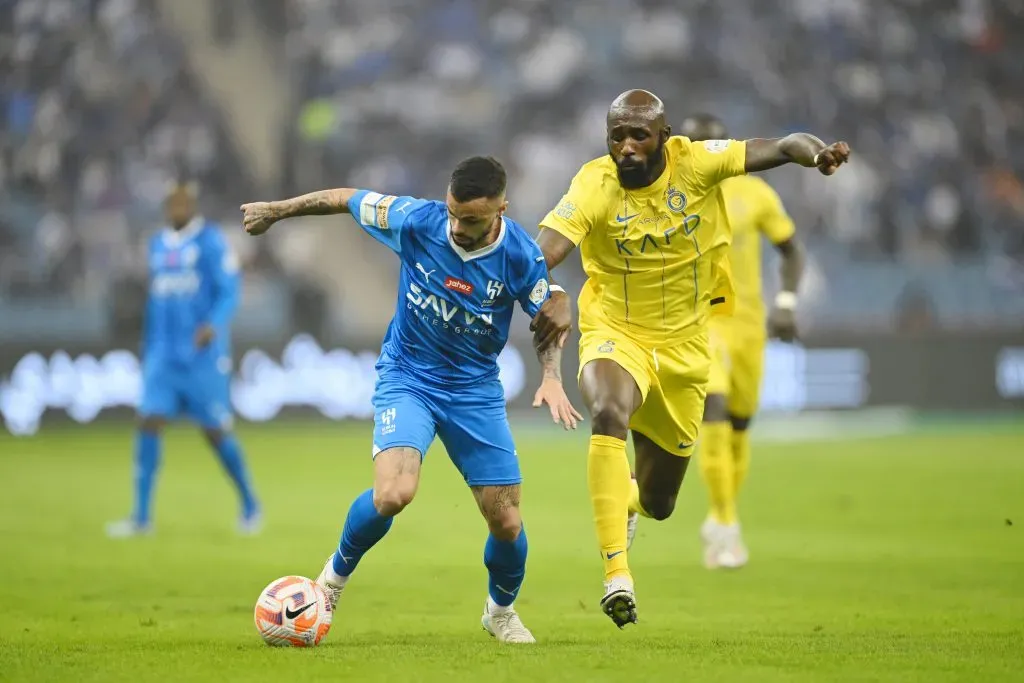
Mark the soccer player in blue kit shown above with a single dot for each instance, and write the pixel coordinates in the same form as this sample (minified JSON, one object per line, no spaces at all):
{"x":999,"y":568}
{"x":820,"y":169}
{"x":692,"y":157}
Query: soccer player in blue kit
{"x":464,"y":266}
{"x":186,"y":355}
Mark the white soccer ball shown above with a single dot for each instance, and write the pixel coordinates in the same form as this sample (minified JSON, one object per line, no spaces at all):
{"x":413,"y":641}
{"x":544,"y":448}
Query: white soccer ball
{"x":293,"y":612}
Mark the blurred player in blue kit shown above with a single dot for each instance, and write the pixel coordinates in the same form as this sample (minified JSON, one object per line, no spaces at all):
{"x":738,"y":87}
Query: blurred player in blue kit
{"x":464,"y":266}
{"x":186,"y":355}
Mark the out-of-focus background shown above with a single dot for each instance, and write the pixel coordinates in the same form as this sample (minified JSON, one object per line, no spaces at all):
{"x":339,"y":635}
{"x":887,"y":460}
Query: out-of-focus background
{"x":883,"y":509}
{"x":916,"y":273}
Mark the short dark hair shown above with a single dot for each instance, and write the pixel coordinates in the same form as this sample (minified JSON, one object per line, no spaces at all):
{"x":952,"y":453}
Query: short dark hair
{"x":477,"y":177}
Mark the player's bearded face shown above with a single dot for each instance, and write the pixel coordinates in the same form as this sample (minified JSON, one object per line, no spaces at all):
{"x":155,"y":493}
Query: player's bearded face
{"x":475,"y":223}
{"x":635,"y":156}
{"x":180,"y":208}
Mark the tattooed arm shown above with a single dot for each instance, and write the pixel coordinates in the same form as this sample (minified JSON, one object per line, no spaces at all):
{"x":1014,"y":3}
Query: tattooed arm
{"x":551,"y":390}
{"x":258,"y":217}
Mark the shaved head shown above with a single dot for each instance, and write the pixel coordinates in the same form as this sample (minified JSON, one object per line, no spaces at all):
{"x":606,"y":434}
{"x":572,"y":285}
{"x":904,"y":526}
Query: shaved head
{"x":700,"y":127}
{"x":637,"y":104}
{"x":636,"y":136}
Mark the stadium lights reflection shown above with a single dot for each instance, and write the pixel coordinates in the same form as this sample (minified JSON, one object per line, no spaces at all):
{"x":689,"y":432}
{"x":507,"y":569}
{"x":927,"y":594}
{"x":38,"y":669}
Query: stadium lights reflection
{"x":338,"y":383}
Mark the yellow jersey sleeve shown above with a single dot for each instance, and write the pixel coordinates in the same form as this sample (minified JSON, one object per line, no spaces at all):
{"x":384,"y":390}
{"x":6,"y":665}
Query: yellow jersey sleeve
{"x":715,"y":160}
{"x":573,"y":216}
{"x":773,"y":221}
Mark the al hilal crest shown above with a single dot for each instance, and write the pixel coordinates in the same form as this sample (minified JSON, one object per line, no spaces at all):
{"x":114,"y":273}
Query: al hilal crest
{"x":676,"y":201}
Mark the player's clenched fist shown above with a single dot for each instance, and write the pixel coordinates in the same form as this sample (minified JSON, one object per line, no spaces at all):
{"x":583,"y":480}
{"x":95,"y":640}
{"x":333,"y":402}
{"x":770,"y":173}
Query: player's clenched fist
{"x":832,"y":157}
{"x":552,"y":322}
{"x":258,"y":217}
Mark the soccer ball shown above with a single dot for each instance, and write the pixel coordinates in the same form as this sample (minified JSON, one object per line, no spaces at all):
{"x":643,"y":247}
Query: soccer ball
{"x":293,"y":611}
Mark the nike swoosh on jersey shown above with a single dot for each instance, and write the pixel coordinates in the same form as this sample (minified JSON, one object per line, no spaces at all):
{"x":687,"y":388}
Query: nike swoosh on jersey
{"x":623,"y":219}
{"x":611,"y":555}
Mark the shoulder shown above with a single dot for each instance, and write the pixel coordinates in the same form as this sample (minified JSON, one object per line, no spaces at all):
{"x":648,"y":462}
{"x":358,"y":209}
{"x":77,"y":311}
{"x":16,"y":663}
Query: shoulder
{"x":519,"y":244}
{"x":212,"y":235}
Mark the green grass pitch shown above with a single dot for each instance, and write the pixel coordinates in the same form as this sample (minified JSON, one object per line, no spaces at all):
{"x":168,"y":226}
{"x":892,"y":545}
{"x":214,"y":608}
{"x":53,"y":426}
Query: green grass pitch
{"x":887,"y":559}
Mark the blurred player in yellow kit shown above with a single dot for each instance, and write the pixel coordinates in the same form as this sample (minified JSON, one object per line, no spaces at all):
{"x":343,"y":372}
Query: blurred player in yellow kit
{"x":738,"y":342}
{"x":654,"y":241}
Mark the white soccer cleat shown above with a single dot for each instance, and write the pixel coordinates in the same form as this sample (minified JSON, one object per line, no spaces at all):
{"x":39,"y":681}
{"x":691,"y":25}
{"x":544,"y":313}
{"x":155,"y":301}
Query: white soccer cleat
{"x":631,"y":522}
{"x":331,"y":582}
{"x":723,"y":546}
{"x":127,"y":528}
{"x":619,"y":601}
{"x":505,"y":625}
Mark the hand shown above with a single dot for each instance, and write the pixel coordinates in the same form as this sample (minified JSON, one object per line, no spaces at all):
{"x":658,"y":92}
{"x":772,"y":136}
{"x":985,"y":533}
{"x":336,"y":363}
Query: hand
{"x":258,"y":217}
{"x":832,"y":157}
{"x":204,"y":335}
{"x":782,"y":324}
{"x":562,"y":412}
{"x":552,"y":323}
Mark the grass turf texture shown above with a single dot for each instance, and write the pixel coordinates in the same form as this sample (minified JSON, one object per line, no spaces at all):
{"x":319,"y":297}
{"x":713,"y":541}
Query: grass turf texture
{"x":872,"y":560}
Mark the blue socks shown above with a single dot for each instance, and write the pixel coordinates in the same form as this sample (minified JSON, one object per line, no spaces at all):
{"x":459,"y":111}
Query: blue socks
{"x":364,"y":526}
{"x":506,"y":567}
{"x":230,"y":453}
{"x":147,"y":459}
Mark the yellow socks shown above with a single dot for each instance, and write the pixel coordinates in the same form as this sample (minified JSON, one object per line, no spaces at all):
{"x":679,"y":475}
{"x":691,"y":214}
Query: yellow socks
{"x":740,"y":458}
{"x":718,"y":470}
{"x":609,"y":481}
{"x":634,"y":500}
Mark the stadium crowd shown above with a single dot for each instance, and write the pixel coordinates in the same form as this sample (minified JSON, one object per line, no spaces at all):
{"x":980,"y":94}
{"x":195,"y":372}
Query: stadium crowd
{"x":103,"y":106}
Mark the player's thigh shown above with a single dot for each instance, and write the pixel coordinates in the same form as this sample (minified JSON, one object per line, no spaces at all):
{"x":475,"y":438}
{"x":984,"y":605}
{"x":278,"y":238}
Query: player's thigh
{"x":396,"y":478}
{"x":161,"y":398}
{"x":500,"y":507}
{"x":403,"y":414}
{"x":207,"y":397}
{"x":674,"y":409}
{"x":745,"y":374}
{"x":475,"y":431}
{"x":614,"y":377}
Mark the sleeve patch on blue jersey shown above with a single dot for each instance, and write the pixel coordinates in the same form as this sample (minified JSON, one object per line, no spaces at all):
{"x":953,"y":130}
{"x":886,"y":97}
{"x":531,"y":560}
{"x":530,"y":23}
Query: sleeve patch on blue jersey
{"x":367,"y":208}
{"x":382,"y":212}
{"x":540,"y":291}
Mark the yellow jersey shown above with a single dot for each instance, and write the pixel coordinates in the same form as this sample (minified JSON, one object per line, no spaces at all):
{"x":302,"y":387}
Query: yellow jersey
{"x":655,"y":257}
{"x":753,"y":209}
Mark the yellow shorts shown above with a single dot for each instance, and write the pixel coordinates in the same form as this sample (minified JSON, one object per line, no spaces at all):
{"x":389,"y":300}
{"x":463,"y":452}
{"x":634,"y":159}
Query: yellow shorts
{"x":672,"y":382}
{"x":737,"y":364}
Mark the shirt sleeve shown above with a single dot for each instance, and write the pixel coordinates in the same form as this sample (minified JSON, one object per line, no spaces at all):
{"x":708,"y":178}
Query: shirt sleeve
{"x":221,"y":265}
{"x":715,"y":160}
{"x":385,"y":217}
{"x":774,"y":222}
{"x":534,"y":289}
{"x":573,"y":216}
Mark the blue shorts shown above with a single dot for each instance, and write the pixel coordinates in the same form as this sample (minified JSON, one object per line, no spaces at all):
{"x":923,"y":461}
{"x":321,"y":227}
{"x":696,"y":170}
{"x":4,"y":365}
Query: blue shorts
{"x":471,"y":422}
{"x":201,"y":393}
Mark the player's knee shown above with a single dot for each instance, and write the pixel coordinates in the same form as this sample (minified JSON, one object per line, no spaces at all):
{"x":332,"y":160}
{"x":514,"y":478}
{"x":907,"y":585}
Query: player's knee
{"x":151,"y":425}
{"x":214,"y":436}
{"x":740,"y":424}
{"x":658,"y":506}
{"x":392,"y":497}
{"x":609,"y":418}
{"x":715,"y":408}
{"x":506,"y":527}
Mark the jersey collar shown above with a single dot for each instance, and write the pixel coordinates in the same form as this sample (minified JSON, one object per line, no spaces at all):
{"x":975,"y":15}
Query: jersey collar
{"x":175,"y":238}
{"x":484,"y":251}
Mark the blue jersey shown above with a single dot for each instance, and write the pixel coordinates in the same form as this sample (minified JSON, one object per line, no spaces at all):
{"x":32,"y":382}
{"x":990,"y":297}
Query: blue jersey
{"x":454,"y":307}
{"x":193,"y":281}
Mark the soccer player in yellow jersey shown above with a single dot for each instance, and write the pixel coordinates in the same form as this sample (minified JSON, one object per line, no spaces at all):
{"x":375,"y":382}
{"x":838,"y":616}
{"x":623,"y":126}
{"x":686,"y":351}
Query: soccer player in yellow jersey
{"x":737,"y":341}
{"x":654,"y":241}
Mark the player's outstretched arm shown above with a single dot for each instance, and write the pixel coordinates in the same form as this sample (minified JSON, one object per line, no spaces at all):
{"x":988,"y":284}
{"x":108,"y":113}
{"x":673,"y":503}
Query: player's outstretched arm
{"x":258,"y":217}
{"x":552,"y":324}
{"x":797,"y":148}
